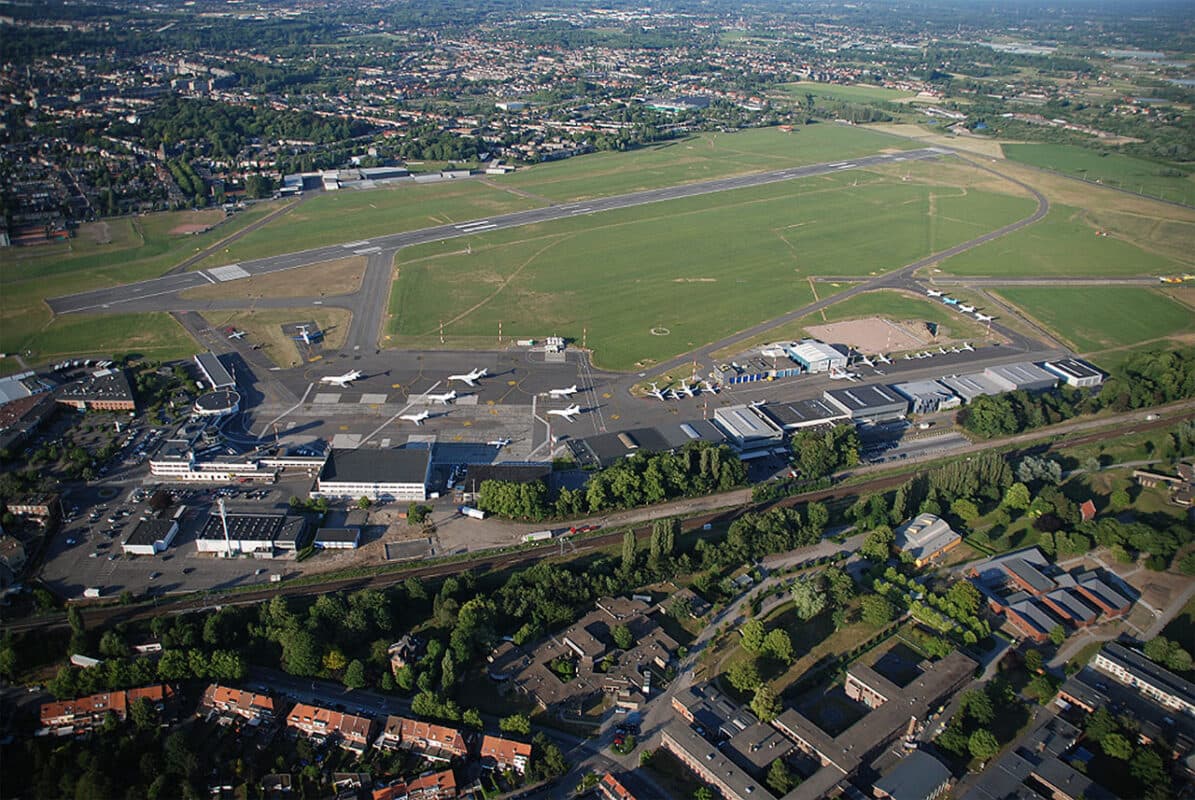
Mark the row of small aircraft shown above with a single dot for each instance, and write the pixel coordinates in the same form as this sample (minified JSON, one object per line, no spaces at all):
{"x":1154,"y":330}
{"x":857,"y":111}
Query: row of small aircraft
{"x":963,"y":307}
{"x":686,"y":389}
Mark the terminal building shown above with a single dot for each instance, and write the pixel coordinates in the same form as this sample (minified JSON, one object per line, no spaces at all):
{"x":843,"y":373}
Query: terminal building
{"x":1075,"y":373}
{"x":928,"y":397}
{"x":868,"y":403}
{"x":103,"y":390}
{"x":220,"y":403}
{"x":380,"y":475}
{"x":213,"y":372}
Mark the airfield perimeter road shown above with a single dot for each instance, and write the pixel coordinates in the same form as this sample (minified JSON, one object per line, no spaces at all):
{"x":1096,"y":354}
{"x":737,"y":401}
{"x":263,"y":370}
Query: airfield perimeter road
{"x":130,"y":296}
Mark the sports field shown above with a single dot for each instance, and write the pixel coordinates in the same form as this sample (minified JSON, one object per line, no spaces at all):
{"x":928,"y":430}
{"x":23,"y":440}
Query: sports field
{"x":1095,"y":318}
{"x":1113,"y":169}
{"x":1067,"y":242}
{"x":643,"y":284}
{"x":856,"y":93}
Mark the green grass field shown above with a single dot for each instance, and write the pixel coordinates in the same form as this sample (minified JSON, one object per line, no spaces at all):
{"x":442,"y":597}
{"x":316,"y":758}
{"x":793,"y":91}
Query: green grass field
{"x":155,"y":336}
{"x":698,"y":158}
{"x":1112,"y":169}
{"x":902,"y":306}
{"x":854,"y":93}
{"x":1095,"y":318}
{"x":1064,"y":243}
{"x":692,"y":270}
{"x":350,"y":214}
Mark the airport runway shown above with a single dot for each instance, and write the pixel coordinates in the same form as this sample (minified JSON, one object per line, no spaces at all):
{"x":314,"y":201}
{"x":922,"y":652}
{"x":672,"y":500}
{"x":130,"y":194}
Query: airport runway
{"x":132,"y":296}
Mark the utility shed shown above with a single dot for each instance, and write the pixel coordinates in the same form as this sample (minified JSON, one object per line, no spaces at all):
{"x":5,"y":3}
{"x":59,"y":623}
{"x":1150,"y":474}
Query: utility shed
{"x":1022,"y":376}
{"x":868,"y":403}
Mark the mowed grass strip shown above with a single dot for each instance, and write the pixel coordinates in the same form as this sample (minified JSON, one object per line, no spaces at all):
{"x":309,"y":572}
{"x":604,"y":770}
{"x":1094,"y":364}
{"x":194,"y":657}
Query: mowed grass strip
{"x":154,"y":336}
{"x":699,"y":158}
{"x":264,"y":327}
{"x":1112,"y":169}
{"x":641,"y":285}
{"x":855,"y":93}
{"x":347,"y":215}
{"x":1095,"y":318}
{"x":1064,"y":243}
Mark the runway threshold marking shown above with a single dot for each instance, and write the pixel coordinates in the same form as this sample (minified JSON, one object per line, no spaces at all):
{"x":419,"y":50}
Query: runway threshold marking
{"x":366,"y":251}
{"x":207,"y":277}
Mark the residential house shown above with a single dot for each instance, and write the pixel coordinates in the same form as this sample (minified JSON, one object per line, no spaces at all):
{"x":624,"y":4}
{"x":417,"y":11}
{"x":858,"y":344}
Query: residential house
{"x":350,"y":732}
{"x":503,"y":754}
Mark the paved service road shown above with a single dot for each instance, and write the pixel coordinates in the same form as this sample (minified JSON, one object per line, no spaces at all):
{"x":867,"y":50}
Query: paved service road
{"x":105,"y":299}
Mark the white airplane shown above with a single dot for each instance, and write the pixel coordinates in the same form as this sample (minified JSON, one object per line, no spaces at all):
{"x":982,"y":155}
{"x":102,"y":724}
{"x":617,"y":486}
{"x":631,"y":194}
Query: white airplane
{"x":966,"y":309}
{"x":967,"y":346}
{"x":842,"y":374}
{"x":499,"y":443}
{"x":687,"y":389}
{"x":445,"y":398}
{"x":908,"y":357}
{"x":883,"y":359}
{"x":417,"y":418}
{"x":342,"y":380}
{"x":706,"y":386}
{"x":672,"y":395}
{"x":983,"y":317}
{"x":569,"y":413}
{"x":470,"y":378}
{"x":923,"y":354}
{"x":568,"y":392}
{"x":757,"y":403}
{"x":656,"y":393}
{"x":307,"y":336}
{"x":933,"y":293}
{"x":863,"y":359}
{"x":235,"y":334}
{"x":942,"y":350}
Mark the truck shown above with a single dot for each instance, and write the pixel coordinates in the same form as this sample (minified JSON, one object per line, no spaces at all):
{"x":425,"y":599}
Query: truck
{"x":468,"y":511}
{"x":536,"y":536}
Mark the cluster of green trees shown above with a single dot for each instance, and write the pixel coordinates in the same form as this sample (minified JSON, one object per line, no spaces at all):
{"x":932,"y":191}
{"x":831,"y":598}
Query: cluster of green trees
{"x":754,"y":534}
{"x":188,"y":182}
{"x":1137,"y":770}
{"x":1168,"y":653}
{"x":1149,"y":378}
{"x":818,"y":454}
{"x":697,"y":468}
{"x":972,"y":732}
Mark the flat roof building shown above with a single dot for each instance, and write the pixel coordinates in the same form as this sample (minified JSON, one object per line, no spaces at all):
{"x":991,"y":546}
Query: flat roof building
{"x":803,"y":414}
{"x":968,"y":387}
{"x":1075,"y":373}
{"x":815,"y":356}
{"x":1152,"y":680}
{"x":337,"y":538}
{"x":386,"y":475}
{"x":1024,"y":376}
{"x":247,"y":533}
{"x":213,"y":372}
{"x":928,"y":397}
{"x":917,"y":776}
{"x":710,"y":764}
{"x":150,"y":536}
{"x":747,"y":428}
{"x":104,"y":390}
{"x":868,"y":402}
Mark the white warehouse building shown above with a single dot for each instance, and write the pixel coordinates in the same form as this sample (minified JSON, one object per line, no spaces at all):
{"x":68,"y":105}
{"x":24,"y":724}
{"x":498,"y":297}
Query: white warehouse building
{"x":815,"y":356}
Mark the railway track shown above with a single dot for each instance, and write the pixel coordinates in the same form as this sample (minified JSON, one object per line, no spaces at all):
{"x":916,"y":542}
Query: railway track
{"x":96,"y":617}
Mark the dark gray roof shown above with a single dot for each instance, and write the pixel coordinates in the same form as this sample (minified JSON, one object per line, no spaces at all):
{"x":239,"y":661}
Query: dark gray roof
{"x":866,"y":397}
{"x":1145,"y":669}
{"x":917,"y":776}
{"x":801,"y":413}
{"x":376,"y":466}
{"x":682,"y":433}
{"x":1029,"y":574}
{"x":337,"y":535}
{"x":149,"y":531}
{"x":108,"y":384}
{"x":512,"y":473}
{"x":219,"y":400}
{"x":243,"y":527}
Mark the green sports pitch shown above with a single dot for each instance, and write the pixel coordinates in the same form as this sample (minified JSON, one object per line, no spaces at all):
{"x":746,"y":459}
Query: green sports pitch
{"x":640,"y":285}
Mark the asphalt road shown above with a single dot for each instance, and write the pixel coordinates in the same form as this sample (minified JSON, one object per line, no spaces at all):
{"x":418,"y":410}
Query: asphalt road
{"x":104,"y":299}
